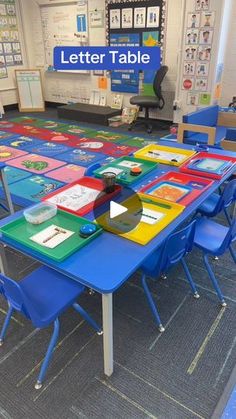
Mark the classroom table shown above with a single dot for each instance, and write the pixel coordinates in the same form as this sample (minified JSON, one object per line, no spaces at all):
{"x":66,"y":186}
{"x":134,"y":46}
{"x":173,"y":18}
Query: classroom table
{"x":109,"y":260}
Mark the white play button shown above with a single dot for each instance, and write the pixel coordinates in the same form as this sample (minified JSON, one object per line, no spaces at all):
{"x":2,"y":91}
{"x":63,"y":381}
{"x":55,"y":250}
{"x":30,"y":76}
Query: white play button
{"x":116,"y":209}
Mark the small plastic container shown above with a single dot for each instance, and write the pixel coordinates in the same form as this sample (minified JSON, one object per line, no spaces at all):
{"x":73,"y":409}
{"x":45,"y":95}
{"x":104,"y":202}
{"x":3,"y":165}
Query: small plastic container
{"x":40,"y":213}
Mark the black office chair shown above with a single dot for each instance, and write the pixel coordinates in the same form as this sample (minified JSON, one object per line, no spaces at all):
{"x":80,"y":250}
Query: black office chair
{"x":148,"y":102}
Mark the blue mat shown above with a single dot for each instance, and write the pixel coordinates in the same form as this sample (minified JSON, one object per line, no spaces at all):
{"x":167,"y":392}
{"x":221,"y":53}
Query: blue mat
{"x":13,"y":174}
{"x":5,"y":135}
{"x":81,"y":157}
{"x":49,"y":149}
{"x":21,"y":142}
{"x":32,"y":189}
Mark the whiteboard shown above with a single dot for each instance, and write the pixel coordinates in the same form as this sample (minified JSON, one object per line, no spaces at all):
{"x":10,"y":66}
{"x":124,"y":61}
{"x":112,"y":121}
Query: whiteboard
{"x":30,"y":93}
{"x":60,"y":25}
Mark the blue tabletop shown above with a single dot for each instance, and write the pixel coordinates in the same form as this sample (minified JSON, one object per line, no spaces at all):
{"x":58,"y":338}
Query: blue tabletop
{"x":109,"y":260}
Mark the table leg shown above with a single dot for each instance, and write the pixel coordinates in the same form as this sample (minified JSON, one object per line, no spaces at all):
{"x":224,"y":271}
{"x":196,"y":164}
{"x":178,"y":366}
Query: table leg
{"x":3,"y":260}
{"x":7,"y":192}
{"x":107,"y":315}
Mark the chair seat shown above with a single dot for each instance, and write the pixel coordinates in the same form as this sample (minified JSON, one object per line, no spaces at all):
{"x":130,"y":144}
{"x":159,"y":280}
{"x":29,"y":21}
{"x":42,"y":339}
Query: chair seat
{"x":50,"y":293}
{"x":209,"y":205}
{"x":209,"y":236}
{"x":145,"y":101}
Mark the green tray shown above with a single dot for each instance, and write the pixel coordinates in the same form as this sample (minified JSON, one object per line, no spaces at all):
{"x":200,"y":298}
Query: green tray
{"x":125,"y":178}
{"x":20,"y":231}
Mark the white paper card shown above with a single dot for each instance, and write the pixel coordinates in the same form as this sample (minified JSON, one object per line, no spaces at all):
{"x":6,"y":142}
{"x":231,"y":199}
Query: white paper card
{"x":75,"y":197}
{"x":51,"y":236}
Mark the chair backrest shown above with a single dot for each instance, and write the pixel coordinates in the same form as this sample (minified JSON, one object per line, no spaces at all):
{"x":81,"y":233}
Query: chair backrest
{"x":14,"y":294}
{"x":177,"y":245}
{"x":228,"y":196}
{"x":160,"y":74}
{"x":173,"y":250}
{"x":230,"y":236}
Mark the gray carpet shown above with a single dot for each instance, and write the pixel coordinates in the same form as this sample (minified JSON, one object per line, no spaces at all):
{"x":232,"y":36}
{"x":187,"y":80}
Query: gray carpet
{"x":178,"y":374}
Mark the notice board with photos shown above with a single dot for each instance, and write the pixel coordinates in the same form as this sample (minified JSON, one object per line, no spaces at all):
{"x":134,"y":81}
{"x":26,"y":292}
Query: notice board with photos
{"x":134,"y":23}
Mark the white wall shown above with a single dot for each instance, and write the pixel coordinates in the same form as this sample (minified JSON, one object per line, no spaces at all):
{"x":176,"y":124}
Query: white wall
{"x":74,"y":87}
{"x":229,"y":74}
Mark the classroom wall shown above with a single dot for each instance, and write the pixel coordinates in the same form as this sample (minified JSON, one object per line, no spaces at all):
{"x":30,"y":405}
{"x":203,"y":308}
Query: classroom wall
{"x":63,"y":87}
{"x":229,"y":73}
{"x":8,"y":94}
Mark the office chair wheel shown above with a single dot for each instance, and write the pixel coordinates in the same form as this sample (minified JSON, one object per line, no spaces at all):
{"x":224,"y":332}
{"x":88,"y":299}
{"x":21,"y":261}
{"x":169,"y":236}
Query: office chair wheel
{"x":38,"y":385}
{"x":100,"y":333}
{"x":223,"y":303}
{"x":161,"y":328}
{"x":196,"y":295}
{"x":149,"y":130}
{"x":130,"y":128}
{"x":1,"y":342}
{"x":163,"y":276}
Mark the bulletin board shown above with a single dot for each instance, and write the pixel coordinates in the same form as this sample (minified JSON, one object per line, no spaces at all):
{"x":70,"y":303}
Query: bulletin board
{"x":134,"y":23}
{"x":30,"y":93}
{"x":64,"y":25}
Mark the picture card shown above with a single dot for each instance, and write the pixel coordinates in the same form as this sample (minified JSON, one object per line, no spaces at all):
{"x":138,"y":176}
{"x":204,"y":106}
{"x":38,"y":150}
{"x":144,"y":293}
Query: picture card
{"x":192,"y":99}
{"x":208,"y":19}
{"x":35,"y":163}
{"x":202,"y":4}
{"x":114,"y":18}
{"x":204,"y":53}
{"x":192,"y":37}
{"x":153,"y":17}
{"x":194,"y":20}
{"x":189,"y":68}
{"x":201,"y":84}
{"x":169,"y":191}
{"x":127,"y":18}
{"x":206,"y":36}
{"x":168,"y":156}
{"x":202,"y":69}
{"x":190,"y":52}
{"x":52,"y":236}
{"x":140,"y":17}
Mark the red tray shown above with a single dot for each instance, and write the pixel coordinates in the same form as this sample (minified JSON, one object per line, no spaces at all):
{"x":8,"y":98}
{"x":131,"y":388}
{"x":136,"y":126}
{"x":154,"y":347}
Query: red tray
{"x":191,"y":166}
{"x":198,"y":185}
{"x":92,"y":183}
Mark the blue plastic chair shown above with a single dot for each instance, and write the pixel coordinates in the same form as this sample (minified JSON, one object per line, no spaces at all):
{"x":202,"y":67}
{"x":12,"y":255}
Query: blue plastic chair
{"x":214,"y":240}
{"x":217,"y":203}
{"x":173,"y":251}
{"x":41,"y":297}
